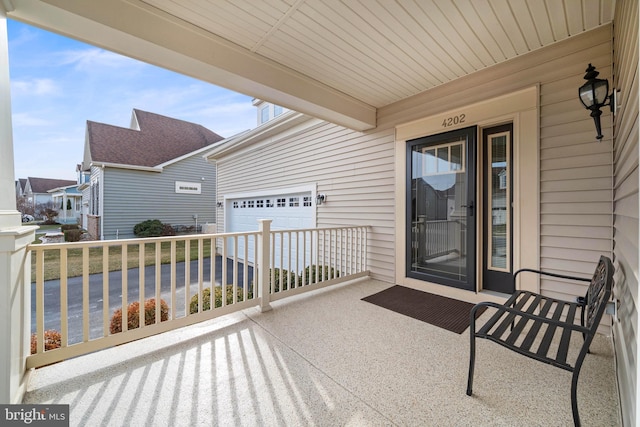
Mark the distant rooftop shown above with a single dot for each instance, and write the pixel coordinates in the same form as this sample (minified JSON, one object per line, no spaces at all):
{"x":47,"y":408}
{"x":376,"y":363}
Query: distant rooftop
{"x":151,"y":141}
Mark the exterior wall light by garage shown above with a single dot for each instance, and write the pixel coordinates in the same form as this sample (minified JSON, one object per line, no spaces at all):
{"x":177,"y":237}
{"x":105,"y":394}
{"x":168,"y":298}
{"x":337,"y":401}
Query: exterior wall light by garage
{"x":594,"y":95}
{"x":321,"y":198}
{"x":219,"y":204}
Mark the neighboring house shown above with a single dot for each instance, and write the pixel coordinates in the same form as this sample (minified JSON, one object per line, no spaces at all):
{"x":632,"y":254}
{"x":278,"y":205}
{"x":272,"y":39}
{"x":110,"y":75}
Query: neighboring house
{"x":20,"y":186}
{"x":152,"y":170}
{"x":68,"y":202}
{"x":37,"y":192}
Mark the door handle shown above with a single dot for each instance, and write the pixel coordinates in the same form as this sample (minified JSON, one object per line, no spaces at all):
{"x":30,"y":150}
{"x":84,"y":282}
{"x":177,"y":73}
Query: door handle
{"x":470,"y":207}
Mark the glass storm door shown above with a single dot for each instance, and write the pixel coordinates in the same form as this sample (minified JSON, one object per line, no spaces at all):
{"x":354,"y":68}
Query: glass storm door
{"x":498,"y":221}
{"x":441,"y":208}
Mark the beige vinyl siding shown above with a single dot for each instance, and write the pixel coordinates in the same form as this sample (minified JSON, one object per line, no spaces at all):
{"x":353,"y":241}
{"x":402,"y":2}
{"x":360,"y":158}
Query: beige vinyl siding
{"x":355,"y":171}
{"x":575,"y":170}
{"x":626,"y":206}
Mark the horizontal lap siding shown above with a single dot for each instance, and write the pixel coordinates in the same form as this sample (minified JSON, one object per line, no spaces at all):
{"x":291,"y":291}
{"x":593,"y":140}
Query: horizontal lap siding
{"x":575,"y":169}
{"x":575,"y":176}
{"x":626,"y":206}
{"x":131,"y":196}
{"x":355,"y":170}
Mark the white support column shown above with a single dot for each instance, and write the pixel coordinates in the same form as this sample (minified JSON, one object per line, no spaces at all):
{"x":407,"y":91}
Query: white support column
{"x":15,"y":262}
{"x":264,"y":256}
{"x":9,"y":216}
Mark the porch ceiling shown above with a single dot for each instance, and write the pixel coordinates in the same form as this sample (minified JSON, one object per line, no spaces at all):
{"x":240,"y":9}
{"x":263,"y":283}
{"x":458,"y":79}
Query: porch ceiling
{"x":336,"y":60}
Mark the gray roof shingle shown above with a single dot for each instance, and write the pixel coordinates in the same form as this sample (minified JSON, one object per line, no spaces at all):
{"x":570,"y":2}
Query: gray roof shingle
{"x":159,"y":140}
{"x":42,"y":185}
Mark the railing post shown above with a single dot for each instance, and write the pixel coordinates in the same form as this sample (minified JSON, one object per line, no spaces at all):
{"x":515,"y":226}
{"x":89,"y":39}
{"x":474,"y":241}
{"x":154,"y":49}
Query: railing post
{"x":15,"y":311}
{"x":264,"y":256}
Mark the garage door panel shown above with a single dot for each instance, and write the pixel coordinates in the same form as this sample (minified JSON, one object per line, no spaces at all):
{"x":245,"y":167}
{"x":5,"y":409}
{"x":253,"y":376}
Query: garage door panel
{"x":287,"y":212}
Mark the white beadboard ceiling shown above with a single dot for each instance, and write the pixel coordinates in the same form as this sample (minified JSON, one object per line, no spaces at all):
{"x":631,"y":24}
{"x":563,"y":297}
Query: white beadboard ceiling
{"x":348,"y":57}
{"x":381,"y":51}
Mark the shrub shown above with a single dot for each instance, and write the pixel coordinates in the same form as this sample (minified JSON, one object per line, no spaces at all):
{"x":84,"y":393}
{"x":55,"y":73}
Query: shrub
{"x":50,"y":216}
{"x":206,"y":298}
{"x":72,"y":235}
{"x":288,"y":279}
{"x":65,"y":227}
{"x":148,"y":228}
{"x":319,"y":273}
{"x":167,"y":230}
{"x":52,"y":339}
{"x":133,"y":315}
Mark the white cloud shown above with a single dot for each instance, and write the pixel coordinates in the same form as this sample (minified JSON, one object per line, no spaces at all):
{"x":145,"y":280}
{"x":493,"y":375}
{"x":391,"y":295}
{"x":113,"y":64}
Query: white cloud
{"x":28,"y":119}
{"x":93,"y":59}
{"x":34,"y":87}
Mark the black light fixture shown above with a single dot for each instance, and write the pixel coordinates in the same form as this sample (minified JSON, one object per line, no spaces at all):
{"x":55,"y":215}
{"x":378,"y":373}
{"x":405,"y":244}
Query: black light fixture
{"x":594,"y":95}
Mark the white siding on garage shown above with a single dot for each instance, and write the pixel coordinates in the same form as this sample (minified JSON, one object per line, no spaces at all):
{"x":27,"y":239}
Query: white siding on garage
{"x":626,"y":206}
{"x":288,"y":210}
{"x":355,"y":170}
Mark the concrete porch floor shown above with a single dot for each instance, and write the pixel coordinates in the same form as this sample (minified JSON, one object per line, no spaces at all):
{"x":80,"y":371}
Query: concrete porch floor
{"x":325,"y":358}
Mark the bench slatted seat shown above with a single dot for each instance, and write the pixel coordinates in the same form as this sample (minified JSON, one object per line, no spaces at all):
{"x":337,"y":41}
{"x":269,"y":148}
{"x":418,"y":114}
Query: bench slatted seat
{"x":527,"y":323}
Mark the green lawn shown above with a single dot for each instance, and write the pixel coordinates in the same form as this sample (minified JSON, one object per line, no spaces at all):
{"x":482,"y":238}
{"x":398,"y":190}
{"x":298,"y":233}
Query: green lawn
{"x":74,"y":258}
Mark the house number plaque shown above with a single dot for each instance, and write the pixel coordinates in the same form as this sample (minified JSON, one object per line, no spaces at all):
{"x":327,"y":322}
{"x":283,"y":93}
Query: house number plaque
{"x":453,"y":120}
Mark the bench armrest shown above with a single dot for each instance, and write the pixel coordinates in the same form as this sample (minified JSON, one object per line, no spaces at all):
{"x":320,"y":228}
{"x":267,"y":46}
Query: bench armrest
{"x":545,"y":273}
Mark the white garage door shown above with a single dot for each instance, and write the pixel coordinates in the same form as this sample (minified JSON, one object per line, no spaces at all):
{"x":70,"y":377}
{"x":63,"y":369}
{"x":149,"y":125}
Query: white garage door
{"x":287,"y":210}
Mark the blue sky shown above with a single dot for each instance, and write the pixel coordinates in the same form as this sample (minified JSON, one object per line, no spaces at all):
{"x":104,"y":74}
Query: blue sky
{"x":57,"y":84}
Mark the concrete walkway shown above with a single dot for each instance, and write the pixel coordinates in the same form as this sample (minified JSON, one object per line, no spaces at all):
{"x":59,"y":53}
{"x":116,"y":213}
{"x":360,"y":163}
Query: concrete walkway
{"x":322,"y":359}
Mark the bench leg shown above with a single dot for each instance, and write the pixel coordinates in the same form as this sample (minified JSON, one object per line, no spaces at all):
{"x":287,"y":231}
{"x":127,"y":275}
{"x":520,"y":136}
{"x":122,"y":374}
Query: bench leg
{"x":472,"y":352}
{"x":574,"y":398}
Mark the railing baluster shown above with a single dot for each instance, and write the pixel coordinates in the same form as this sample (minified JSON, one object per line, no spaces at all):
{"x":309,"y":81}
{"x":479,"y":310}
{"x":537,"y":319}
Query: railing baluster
{"x":234,"y":280}
{"x":40,"y":300}
{"x":158,"y":282}
{"x":172,"y":261}
{"x":214,"y":267}
{"x":125,"y":287}
{"x":223,"y":278}
{"x":187,"y":280}
{"x":200,"y":273}
{"x":141,"y":280}
{"x":85,"y":294}
{"x":64,"y":301}
{"x":245,"y":271}
{"x":105,"y":291}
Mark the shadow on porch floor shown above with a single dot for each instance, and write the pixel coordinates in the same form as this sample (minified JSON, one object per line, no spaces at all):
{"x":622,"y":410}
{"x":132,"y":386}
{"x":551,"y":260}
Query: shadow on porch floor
{"x":325,"y":358}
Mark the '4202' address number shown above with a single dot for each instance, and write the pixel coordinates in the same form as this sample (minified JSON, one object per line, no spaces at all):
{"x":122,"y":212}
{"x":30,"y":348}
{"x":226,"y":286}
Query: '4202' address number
{"x":452,"y":121}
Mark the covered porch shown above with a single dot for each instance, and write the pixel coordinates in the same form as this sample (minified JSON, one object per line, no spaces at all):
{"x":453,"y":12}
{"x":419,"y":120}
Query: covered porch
{"x":322,"y":358}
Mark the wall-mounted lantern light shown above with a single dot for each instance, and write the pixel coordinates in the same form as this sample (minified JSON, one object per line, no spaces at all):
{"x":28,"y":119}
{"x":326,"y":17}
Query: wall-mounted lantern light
{"x":594,"y":95}
{"x":219,"y":204}
{"x":321,"y":198}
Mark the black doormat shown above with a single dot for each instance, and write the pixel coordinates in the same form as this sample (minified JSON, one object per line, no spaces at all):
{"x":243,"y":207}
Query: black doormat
{"x":448,"y":313}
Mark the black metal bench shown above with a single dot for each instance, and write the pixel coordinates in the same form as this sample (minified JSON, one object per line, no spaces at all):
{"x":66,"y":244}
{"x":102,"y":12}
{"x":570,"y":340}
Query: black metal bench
{"x":527,"y":323}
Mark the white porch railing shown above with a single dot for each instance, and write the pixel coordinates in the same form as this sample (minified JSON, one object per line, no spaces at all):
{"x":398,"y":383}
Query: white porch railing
{"x":80,"y":305}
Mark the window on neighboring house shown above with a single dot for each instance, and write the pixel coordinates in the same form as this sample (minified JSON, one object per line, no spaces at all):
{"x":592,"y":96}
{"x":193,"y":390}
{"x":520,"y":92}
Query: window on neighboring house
{"x":264,"y":114}
{"x":277,"y":110}
{"x":94,"y":207}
